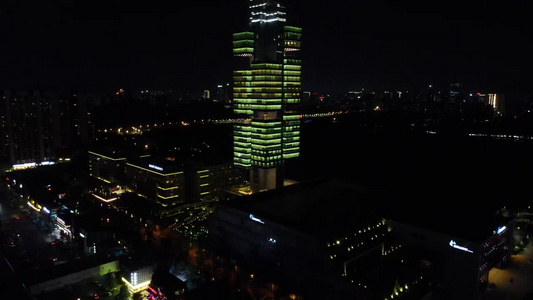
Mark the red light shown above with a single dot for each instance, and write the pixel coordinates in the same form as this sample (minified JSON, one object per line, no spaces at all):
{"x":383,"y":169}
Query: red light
{"x":478,"y":94}
{"x":116,"y":93}
{"x":321,"y":97}
{"x":52,"y":243}
{"x":7,"y":178}
{"x":301,"y":116}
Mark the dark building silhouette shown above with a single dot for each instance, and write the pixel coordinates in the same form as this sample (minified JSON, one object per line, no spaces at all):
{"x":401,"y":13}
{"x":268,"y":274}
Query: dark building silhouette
{"x":37,"y":126}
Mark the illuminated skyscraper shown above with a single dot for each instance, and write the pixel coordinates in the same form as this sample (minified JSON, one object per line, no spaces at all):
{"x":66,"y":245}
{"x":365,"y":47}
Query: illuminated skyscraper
{"x":266,"y":93}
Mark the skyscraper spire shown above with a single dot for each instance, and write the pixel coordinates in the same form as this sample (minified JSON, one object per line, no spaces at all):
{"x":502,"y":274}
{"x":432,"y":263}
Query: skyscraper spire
{"x":266,"y":11}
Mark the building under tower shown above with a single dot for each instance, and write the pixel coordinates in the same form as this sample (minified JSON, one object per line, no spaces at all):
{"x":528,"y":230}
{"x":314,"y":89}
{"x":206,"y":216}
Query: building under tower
{"x":266,"y":93}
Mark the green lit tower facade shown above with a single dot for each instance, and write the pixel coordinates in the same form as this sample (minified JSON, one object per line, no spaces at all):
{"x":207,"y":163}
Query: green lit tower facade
{"x":266,"y":94}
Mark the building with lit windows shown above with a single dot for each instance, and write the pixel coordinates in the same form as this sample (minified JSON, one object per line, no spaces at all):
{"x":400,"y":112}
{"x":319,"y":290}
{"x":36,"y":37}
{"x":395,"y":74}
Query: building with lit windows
{"x":207,"y":94}
{"x":161,"y":180}
{"x":106,"y":171}
{"x":319,"y":232}
{"x":138,"y":279}
{"x":166,"y":182}
{"x":461,"y":248}
{"x":27,"y":127}
{"x":306,"y":234}
{"x":208,"y":181}
{"x":69,"y":273}
{"x":37,"y":127}
{"x":266,"y":93}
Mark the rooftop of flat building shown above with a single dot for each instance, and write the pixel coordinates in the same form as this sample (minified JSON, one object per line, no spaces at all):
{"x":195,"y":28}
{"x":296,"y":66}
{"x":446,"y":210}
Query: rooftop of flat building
{"x":329,"y":208}
{"x":160,"y":165}
{"x":326,"y":209}
{"x":64,"y":269}
{"x":112,"y":153}
{"x":471,"y":213}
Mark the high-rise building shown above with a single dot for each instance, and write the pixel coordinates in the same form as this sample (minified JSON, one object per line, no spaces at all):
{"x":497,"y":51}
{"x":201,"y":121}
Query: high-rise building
{"x":266,"y":93}
{"x":37,"y":126}
{"x":221,"y":93}
{"x":207,"y":94}
{"x":27,"y":134}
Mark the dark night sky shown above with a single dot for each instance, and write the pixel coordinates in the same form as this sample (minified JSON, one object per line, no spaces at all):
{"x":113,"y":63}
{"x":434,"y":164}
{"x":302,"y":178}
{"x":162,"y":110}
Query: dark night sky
{"x":100,"y":45}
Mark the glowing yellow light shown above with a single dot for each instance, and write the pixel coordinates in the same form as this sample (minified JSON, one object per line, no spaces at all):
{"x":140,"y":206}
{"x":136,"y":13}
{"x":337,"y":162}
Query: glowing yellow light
{"x":106,"y":157}
{"x":33,"y":207}
{"x":169,"y":197}
{"x":103,"y":199}
{"x":168,"y":188}
{"x":138,"y":287}
{"x":175,"y":173}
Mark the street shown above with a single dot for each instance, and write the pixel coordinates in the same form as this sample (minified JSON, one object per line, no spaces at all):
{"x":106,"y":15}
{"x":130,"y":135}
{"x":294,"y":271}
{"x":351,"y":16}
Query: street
{"x":32,"y":246}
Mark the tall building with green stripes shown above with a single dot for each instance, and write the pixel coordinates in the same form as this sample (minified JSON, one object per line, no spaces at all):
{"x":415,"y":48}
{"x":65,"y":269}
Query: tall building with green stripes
{"x":266,"y":94}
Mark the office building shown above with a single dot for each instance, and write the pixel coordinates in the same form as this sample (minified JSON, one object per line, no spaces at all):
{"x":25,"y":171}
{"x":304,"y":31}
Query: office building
{"x":207,"y":94}
{"x":168,"y":182}
{"x":38,"y":127}
{"x":316,"y":232}
{"x":161,"y":180}
{"x":138,"y":279}
{"x":307,"y":234}
{"x":221,"y":93}
{"x":106,"y":171}
{"x":460,"y":247}
{"x":266,"y":93}
{"x":207,"y":181}
{"x":27,"y":128}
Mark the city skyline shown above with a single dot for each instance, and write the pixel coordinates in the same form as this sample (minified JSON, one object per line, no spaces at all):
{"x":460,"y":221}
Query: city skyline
{"x":122,"y":178}
{"x":105,"y":46}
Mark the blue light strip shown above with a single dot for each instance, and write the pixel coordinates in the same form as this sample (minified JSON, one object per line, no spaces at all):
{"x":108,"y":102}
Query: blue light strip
{"x":454,"y":244}
{"x":256,"y":219}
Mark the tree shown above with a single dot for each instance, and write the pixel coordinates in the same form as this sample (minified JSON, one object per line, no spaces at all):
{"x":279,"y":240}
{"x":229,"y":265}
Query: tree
{"x":124,"y":293}
{"x":13,"y":197}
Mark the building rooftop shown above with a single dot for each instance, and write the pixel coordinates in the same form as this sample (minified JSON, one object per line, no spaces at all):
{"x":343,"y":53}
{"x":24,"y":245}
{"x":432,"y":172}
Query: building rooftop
{"x":331,"y":208}
{"x":160,"y":165}
{"x":458,"y":211}
{"x":325,"y":209}
{"x":113,"y":153}
{"x":65,"y":268}
{"x":167,"y":280}
{"x":137,"y":205}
